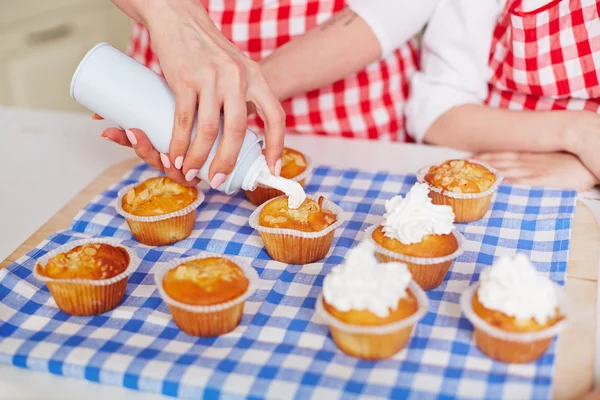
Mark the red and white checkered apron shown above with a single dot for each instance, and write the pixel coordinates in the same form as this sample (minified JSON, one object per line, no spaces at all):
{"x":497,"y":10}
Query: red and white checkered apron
{"x":368,"y":104}
{"x":548,"y":58}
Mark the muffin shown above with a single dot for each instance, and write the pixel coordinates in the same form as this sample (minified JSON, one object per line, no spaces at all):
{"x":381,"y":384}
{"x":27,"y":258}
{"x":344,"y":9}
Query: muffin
{"x":297,"y":236}
{"x":370,"y":307}
{"x":87,"y":277}
{"x":419,"y":233}
{"x":159,"y":211}
{"x":514,"y":309}
{"x":206,"y":294}
{"x":294,"y":166}
{"x":466,"y":186}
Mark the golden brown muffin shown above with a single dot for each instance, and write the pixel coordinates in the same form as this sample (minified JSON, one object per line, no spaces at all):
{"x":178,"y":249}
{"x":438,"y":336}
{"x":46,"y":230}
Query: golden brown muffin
{"x":430,"y":247}
{"x":406,"y":307}
{"x":158,"y":196}
{"x":461,"y":176}
{"x":511,"y":324}
{"x":293,"y":163}
{"x":93,"y":261}
{"x":309,"y":217}
{"x":206,"y":281}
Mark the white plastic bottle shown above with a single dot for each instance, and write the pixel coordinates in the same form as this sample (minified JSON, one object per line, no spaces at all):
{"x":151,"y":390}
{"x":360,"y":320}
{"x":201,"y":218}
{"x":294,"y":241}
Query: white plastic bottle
{"x":120,"y":89}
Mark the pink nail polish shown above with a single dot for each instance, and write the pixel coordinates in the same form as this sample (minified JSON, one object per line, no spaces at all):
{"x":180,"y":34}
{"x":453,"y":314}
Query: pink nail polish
{"x":178,"y":162}
{"x":165,"y":160}
{"x":217,"y":180}
{"x":191,"y":174}
{"x":131,"y":137}
{"x":278,"y":167}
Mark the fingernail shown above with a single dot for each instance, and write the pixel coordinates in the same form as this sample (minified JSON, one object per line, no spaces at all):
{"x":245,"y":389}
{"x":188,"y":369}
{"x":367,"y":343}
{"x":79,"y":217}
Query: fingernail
{"x":217,"y":180}
{"x":179,"y":162}
{"x":278,"y":167}
{"x":165,"y":160}
{"x":191,"y":174}
{"x":131,"y":137}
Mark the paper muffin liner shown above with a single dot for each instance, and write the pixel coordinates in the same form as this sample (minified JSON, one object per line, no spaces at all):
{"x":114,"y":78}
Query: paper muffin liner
{"x":160,"y":230}
{"x":467,"y":207}
{"x":374,"y":342}
{"x":295,"y":247}
{"x":207,"y":321}
{"x":84,"y":297}
{"x":428,"y":272}
{"x":264,"y":193}
{"x":512,"y":347}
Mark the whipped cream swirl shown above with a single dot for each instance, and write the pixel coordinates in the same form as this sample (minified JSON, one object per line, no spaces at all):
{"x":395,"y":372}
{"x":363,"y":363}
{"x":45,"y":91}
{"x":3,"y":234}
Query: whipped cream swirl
{"x":514,"y":287}
{"x":413,"y":217}
{"x":362,"y":283}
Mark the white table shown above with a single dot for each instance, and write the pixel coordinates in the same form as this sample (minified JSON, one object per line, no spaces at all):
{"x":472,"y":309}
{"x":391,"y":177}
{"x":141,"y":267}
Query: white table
{"x":49,"y":157}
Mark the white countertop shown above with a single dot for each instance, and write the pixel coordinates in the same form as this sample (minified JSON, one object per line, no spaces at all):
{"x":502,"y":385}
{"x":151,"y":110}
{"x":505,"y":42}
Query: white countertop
{"x":49,"y":157}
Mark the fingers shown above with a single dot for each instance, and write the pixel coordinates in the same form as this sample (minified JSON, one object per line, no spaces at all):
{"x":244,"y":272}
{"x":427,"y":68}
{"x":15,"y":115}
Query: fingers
{"x":185,"y":110}
{"x":206,"y":132}
{"x":116,"y":135}
{"x":271,"y":112}
{"x":96,"y":117}
{"x":143,"y":148}
{"x":496,"y":156}
{"x":234,"y":131}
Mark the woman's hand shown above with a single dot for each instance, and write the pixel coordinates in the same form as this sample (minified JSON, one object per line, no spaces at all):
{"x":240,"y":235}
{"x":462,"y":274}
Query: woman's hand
{"x":583,"y":139}
{"x":207,"y":73}
{"x":559,"y":170}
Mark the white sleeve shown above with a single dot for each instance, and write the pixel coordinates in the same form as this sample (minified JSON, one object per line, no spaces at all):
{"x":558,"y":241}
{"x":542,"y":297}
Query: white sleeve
{"x":393,"y":21}
{"x":454,"y":61}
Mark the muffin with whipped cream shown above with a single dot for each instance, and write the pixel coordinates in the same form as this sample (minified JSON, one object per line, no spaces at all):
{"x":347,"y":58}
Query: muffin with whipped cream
{"x":466,"y":186}
{"x":159,"y":211}
{"x":515,"y":310}
{"x":370,"y":307}
{"x":419,"y":233}
{"x":299,"y":235}
{"x":294,"y":166}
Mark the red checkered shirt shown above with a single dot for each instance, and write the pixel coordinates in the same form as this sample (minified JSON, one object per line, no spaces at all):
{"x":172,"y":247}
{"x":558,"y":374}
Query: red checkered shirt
{"x":368,"y":104}
{"x":548,"y":58}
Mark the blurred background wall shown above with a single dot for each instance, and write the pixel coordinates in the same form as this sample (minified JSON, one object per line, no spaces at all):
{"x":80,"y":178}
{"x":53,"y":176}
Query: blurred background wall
{"x":42,"y":41}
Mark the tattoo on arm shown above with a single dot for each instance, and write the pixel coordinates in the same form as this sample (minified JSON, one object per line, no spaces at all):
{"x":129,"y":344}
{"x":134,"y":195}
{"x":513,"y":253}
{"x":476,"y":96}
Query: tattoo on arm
{"x":346,"y":18}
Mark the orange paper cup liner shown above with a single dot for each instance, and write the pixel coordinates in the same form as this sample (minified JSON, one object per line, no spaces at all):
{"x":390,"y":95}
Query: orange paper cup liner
{"x":467,"y":207}
{"x":295,"y":247}
{"x":511,"y":347}
{"x":207,"y":321}
{"x":84,"y":297}
{"x":428,"y":273}
{"x":160,"y":230}
{"x":374,"y":342}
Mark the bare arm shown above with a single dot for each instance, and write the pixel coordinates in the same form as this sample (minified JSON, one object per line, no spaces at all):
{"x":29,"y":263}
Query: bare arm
{"x":479,"y":128}
{"x":337,"y":48}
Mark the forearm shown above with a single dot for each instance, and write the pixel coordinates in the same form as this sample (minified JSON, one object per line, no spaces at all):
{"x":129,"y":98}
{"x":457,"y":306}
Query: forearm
{"x":339,"y":47}
{"x":479,"y":128}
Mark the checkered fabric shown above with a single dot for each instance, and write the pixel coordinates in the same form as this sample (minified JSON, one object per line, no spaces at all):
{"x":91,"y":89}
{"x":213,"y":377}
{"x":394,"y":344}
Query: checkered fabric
{"x":281,"y":349}
{"x":367,"y":104}
{"x":547,"y":59}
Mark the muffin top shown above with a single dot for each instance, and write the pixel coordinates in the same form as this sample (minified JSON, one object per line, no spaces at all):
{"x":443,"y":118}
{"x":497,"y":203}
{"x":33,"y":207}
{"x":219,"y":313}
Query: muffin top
{"x":461,"y":176}
{"x":362,"y":291}
{"x":410,"y":219}
{"x":158,"y":196}
{"x":514,"y":296}
{"x":293,"y":163}
{"x":207,"y":281}
{"x":309,"y":217}
{"x":94,"y":261}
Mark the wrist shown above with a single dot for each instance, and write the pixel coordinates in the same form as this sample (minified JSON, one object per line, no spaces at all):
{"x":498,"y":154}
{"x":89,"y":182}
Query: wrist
{"x":274,"y":73}
{"x":575,"y":128}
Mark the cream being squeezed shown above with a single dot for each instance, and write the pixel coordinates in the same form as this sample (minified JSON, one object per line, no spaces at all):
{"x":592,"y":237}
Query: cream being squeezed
{"x":293,"y":190}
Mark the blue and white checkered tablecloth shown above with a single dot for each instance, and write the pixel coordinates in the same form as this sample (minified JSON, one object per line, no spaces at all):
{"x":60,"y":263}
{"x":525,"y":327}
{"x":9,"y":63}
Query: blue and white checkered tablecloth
{"x":281,"y":349}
